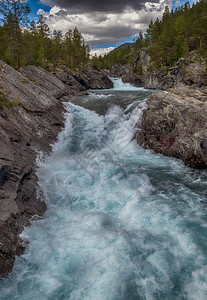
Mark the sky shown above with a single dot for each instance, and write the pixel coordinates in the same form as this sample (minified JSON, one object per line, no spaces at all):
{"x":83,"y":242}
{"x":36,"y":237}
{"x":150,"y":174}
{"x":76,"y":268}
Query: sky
{"x":105,"y":24}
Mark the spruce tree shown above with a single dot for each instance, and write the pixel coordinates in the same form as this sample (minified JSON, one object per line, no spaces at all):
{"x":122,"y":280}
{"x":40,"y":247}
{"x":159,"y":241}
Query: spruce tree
{"x":15,"y":14}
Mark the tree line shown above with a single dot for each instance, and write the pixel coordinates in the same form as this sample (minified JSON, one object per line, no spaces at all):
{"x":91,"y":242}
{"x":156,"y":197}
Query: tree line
{"x":179,"y":32}
{"x":23,"y":42}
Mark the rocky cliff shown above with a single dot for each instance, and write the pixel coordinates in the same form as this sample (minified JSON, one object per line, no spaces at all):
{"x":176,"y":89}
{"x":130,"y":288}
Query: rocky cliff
{"x":127,"y":73}
{"x":31,"y":116}
{"x":175,"y":124}
{"x":191,"y":70}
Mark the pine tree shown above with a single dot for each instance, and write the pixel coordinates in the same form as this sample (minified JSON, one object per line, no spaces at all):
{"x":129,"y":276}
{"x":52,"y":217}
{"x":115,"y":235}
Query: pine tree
{"x":44,"y":43}
{"x":15,"y":14}
{"x":68,"y":48}
{"x":57,"y":46}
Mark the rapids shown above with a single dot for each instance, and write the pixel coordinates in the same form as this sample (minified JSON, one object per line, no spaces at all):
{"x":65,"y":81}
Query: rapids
{"x":122,"y":223}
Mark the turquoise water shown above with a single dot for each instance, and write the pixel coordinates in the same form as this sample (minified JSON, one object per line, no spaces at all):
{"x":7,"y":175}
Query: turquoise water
{"x":122,"y":223}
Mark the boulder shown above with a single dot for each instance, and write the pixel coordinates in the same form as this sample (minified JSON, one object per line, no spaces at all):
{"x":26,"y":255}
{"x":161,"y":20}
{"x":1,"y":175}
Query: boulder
{"x":175,"y":124}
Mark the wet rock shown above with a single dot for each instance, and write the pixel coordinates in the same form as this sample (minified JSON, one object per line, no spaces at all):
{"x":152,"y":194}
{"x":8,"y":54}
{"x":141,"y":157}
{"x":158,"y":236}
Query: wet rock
{"x":82,"y":80}
{"x":175,"y":124}
{"x":127,"y":74}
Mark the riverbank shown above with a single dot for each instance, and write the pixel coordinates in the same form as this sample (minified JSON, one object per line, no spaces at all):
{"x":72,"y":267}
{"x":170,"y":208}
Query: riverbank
{"x":31,"y":116}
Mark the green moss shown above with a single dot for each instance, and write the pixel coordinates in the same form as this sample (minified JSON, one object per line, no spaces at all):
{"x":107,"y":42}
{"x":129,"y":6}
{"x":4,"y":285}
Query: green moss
{"x":5,"y":102}
{"x":25,"y":81}
{"x":169,"y":130}
{"x":28,"y":79}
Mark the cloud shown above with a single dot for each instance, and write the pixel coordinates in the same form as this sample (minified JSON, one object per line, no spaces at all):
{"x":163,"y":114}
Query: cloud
{"x":101,"y":26}
{"x":94,"y":5}
{"x":40,"y":11}
{"x":101,"y":51}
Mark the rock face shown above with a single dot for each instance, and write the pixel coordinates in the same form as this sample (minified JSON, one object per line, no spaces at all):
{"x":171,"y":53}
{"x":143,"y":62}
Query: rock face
{"x":31,"y":117}
{"x":190,"y":71}
{"x":175,"y":124}
{"x":91,"y":78}
{"x":127,"y":74}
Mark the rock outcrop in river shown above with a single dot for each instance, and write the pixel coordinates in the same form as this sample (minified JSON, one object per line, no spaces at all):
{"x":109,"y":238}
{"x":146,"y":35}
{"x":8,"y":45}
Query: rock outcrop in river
{"x":175,"y":124}
{"x":31,"y":116}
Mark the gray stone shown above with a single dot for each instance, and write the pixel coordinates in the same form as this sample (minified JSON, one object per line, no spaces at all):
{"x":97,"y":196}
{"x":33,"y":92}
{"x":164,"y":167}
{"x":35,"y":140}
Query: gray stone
{"x":175,"y":124}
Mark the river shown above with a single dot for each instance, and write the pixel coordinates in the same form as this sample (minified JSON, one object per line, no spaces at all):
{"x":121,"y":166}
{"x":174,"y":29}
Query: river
{"x":122,"y":223}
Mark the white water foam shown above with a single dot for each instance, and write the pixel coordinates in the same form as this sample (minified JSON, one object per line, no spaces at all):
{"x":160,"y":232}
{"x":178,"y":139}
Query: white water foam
{"x":120,"y":86}
{"x":99,"y":96}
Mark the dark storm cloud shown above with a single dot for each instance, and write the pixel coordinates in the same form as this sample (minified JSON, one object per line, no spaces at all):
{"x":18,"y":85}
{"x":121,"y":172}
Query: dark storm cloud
{"x":98,"y":5}
{"x":115,"y":32}
{"x":110,"y":36}
{"x":105,"y":22}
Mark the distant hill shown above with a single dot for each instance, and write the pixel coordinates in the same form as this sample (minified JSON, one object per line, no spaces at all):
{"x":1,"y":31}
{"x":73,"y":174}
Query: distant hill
{"x":123,"y":46}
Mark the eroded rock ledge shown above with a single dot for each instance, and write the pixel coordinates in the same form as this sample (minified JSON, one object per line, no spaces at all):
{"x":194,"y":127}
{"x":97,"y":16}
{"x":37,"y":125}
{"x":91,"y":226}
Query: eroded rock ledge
{"x":175,"y":124}
{"x":30,"y":120}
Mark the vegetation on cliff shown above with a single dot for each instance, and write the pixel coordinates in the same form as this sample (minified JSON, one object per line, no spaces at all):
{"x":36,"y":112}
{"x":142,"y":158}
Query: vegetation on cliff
{"x":5,"y":102}
{"x":22,"y":43}
{"x":178,"y":32}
